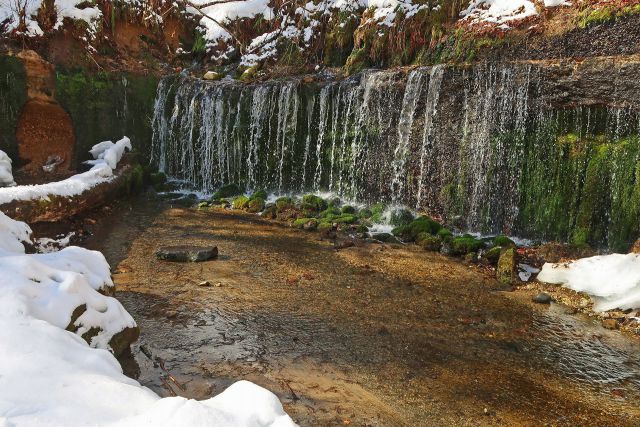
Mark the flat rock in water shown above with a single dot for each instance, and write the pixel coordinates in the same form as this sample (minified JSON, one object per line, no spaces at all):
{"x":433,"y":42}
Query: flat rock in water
{"x":187,"y":253}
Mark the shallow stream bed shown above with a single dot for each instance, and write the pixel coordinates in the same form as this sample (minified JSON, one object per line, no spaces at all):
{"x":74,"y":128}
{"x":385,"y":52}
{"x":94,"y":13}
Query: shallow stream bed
{"x":369,"y":335}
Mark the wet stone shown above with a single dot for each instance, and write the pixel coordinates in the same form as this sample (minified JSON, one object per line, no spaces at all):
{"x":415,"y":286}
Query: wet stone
{"x":187,"y":253}
{"x":542,"y":298}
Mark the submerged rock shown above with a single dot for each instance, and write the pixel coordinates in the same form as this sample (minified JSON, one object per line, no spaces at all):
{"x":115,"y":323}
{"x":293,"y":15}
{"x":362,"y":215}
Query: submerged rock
{"x":187,"y":253}
{"x":542,"y":298}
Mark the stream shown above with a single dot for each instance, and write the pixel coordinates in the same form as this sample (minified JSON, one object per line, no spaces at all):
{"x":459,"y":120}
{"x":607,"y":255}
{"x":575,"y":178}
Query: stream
{"x":369,"y":335}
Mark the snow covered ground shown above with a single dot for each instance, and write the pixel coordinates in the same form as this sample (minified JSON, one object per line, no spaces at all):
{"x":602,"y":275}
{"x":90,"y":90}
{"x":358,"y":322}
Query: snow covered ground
{"x":613,"y":281}
{"x":6,"y":173}
{"x":51,"y":377}
{"x":106,"y":154}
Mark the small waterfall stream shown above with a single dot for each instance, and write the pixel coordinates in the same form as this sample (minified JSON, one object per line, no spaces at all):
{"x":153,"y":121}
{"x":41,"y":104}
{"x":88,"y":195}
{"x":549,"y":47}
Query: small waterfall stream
{"x":479,"y":147}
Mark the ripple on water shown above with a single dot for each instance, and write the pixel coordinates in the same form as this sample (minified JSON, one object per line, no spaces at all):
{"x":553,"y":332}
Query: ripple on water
{"x":585,"y":352}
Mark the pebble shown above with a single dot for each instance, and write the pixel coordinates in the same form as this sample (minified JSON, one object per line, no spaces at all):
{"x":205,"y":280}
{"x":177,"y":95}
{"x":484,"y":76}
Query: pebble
{"x":204,"y":283}
{"x":542,"y":298}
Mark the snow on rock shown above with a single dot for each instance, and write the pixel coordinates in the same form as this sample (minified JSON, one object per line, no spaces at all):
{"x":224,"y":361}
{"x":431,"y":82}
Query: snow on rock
{"x":6,"y":174}
{"x":106,"y":158}
{"x":613,"y":281}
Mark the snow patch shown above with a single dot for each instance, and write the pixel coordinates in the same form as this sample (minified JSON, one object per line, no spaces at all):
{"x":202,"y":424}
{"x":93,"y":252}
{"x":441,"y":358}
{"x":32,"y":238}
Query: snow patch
{"x":613,"y":281}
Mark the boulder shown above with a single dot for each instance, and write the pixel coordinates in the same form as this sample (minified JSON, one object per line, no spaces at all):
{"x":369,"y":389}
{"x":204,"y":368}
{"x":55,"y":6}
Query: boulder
{"x":187,"y":253}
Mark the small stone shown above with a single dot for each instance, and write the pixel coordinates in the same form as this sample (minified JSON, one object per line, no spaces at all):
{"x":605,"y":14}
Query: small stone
{"x":610,"y":324}
{"x":204,"y":283}
{"x":171,"y":314}
{"x":218,"y":284}
{"x":212,"y":75}
{"x":187,"y":253}
{"x":542,"y":298}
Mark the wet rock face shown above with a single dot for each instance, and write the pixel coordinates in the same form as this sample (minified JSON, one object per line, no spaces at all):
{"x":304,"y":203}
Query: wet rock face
{"x":187,"y":253}
{"x":45,"y":133}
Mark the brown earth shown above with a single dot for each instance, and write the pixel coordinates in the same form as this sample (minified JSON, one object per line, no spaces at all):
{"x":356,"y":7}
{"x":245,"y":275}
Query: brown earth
{"x":45,"y":130}
{"x":369,"y":335}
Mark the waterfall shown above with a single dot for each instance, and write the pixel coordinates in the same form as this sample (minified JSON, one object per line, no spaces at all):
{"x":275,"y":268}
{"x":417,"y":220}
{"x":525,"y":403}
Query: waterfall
{"x":478,"y":147}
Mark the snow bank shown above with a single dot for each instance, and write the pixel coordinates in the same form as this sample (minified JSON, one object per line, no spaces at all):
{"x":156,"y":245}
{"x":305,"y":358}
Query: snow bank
{"x":51,"y":377}
{"x":613,"y":281}
{"x":106,"y":155}
{"x":52,"y":286}
{"x":6,"y":174}
{"x":64,"y":9}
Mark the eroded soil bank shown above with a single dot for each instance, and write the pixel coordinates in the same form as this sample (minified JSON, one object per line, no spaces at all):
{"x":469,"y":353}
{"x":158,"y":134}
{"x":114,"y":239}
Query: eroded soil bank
{"x":369,"y":335}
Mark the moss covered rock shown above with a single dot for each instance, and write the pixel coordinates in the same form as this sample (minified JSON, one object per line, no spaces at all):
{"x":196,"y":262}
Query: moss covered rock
{"x":314,"y":203}
{"x":429,"y":242}
{"x":241,"y":202}
{"x":255,"y":205}
{"x":445,"y":234}
{"x":348,"y":210}
{"x":226,"y":191}
{"x":504,"y":242}
{"x":493,"y":255}
{"x":259,"y":194}
{"x":416,"y":227}
{"x":507,"y":269}
{"x":463,"y":245}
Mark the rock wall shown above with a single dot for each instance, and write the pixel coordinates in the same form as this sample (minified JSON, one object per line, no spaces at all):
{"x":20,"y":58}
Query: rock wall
{"x":541,"y":149}
{"x":48,"y":113}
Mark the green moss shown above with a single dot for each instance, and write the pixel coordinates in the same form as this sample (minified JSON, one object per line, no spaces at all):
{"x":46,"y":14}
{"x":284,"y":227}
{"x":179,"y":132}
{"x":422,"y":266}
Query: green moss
{"x":241,"y":202}
{"x":377,"y":212}
{"x":465,"y":244}
{"x":365,"y":213}
{"x":506,"y":270}
{"x":416,"y":227}
{"x":13,"y":95}
{"x":445,"y":235}
{"x":255,"y":205}
{"x":493,"y":255}
{"x":314,"y":203}
{"x":345,"y":219}
{"x":259,"y":194}
{"x":284,"y":203}
{"x":503,"y":241}
{"x":349,"y":210}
